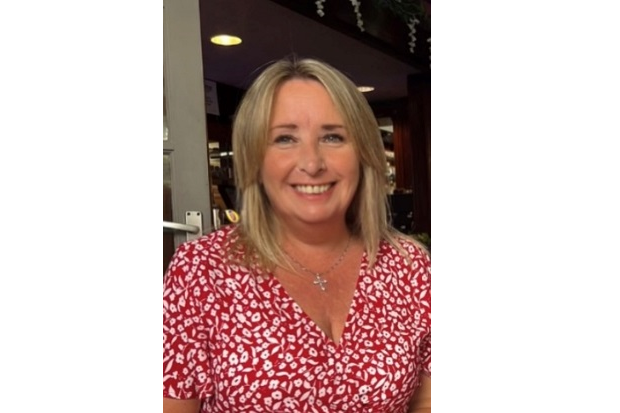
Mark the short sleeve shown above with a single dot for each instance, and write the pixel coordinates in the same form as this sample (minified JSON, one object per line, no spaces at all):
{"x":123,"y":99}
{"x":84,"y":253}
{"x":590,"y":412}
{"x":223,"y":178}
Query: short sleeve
{"x":421,"y":266}
{"x":425,"y":351}
{"x":185,"y":335}
{"x":425,"y":305}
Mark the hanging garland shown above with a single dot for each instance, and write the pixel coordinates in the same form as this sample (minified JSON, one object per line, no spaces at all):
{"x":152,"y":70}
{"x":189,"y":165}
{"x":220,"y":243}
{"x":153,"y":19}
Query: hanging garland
{"x":410,"y":11}
{"x":407,"y":10}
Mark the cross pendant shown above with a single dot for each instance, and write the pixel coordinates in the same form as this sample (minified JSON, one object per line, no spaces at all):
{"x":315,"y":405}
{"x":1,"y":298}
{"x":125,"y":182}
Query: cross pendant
{"x":320,"y":281}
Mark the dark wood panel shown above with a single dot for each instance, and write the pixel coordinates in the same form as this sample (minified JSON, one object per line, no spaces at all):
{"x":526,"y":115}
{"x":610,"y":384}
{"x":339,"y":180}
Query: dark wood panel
{"x":419,"y":87}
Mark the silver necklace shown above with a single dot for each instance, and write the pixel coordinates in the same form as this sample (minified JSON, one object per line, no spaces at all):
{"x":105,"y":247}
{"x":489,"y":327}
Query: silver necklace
{"x":318,"y":280}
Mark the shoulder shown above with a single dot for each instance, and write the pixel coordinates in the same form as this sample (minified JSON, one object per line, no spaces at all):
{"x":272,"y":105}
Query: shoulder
{"x":213,"y":244}
{"x":404,"y":247}
{"x":196,"y":256}
{"x":406,"y":257}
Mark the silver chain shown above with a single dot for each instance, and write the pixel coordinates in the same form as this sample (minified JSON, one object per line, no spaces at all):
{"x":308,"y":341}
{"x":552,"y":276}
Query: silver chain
{"x":317,"y":275}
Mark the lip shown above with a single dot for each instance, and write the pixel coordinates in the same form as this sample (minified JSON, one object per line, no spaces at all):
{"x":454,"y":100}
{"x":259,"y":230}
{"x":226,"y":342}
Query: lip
{"x":313,"y":189}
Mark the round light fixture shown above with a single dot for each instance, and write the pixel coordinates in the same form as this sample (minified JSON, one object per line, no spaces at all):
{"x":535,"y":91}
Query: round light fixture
{"x":225,"y":40}
{"x":365,"y":89}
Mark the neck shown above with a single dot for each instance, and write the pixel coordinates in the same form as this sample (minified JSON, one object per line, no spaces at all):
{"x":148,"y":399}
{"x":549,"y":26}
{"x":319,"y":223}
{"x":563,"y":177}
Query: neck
{"x":311,"y":236}
{"x":318,"y":274}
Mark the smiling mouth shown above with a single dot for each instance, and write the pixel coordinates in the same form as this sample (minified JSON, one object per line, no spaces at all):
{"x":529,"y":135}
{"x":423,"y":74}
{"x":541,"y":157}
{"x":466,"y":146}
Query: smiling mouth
{"x":312,"y":189}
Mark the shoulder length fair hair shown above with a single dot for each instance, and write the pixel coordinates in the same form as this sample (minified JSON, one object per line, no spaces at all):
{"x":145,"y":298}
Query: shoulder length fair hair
{"x":257,"y":239}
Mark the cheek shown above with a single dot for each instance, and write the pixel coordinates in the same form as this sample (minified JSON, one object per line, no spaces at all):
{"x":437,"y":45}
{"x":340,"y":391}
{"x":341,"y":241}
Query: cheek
{"x":353,"y":169}
{"x":356,"y":174}
{"x":273,"y":168}
{"x":355,"y":178}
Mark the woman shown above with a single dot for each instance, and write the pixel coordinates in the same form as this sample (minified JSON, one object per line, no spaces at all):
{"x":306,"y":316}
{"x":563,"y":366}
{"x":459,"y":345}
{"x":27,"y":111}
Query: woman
{"x":312,"y":303}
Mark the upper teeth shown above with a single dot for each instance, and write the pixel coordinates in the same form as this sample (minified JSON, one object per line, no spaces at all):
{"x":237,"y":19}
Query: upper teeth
{"x":312,"y":189}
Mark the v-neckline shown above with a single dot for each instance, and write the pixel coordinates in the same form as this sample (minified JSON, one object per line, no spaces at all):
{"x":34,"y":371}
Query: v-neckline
{"x":353,"y":304}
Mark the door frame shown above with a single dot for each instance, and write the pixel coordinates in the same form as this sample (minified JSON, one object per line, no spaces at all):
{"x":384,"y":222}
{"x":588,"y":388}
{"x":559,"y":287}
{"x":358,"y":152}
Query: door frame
{"x":185,"y":113}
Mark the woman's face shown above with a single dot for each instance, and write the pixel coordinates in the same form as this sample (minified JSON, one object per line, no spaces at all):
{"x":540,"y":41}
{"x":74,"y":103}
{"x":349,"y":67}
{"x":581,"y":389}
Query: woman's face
{"x":311,"y":170}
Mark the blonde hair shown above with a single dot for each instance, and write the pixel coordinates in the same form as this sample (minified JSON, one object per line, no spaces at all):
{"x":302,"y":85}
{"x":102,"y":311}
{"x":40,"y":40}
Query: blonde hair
{"x":367,"y":217}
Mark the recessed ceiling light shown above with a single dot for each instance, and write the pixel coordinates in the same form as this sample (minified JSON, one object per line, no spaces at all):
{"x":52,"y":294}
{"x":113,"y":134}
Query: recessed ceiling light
{"x":365,"y":89}
{"x":225,"y":40}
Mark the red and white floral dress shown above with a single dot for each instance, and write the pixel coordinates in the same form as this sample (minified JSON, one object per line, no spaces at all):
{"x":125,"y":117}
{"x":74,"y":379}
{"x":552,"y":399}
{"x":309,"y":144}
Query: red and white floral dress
{"x":240,"y":344}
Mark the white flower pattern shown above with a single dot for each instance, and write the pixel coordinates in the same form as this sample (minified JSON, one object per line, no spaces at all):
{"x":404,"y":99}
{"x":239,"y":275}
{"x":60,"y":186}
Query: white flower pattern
{"x":240,"y":343}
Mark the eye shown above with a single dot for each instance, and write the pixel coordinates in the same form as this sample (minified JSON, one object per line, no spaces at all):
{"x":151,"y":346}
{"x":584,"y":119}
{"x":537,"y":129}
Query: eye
{"x":283,"y":140}
{"x":333,"y":138}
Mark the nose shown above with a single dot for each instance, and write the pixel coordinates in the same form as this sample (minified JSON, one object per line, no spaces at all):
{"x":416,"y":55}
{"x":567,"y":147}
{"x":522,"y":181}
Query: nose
{"x":311,"y":159}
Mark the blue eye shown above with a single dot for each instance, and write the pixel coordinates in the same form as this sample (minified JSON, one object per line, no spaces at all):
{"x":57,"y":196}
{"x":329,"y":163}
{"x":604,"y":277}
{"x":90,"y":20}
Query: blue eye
{"x":283,"y":139}
{"x":333,"y":138}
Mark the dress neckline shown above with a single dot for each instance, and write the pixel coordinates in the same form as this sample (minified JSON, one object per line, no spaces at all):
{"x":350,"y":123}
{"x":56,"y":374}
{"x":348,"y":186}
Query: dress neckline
{"x":277,"y":287}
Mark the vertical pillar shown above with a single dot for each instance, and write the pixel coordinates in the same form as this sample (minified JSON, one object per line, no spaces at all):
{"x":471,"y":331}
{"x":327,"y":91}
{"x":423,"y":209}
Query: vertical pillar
{"x":402,"y":149}
{"x":419,"y":114}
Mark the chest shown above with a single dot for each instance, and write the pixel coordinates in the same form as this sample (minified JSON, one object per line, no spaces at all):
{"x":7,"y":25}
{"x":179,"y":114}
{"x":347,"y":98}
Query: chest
{"x":326,"y":300}
{"x":267,"y":350}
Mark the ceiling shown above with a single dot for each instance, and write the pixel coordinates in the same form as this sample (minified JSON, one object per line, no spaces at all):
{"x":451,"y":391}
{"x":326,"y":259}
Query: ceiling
{"x":271,"y":31}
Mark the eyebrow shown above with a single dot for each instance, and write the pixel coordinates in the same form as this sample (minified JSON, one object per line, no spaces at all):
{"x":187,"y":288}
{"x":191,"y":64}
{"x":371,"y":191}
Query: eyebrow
{"x":328,"y":127}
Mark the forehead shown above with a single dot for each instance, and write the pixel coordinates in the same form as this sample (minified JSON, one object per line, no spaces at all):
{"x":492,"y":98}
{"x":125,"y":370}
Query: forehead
{"x":300,"y":88}
{"x":297,"y":96}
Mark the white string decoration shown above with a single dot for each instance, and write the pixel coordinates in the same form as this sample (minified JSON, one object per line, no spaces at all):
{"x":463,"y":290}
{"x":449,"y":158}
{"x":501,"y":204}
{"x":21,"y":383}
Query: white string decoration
{"x":412,"y":23}
{"x":429,"y":52}
{"x":408,"y":10}
{"x":358,"y":15}
{"x":319,"y":7}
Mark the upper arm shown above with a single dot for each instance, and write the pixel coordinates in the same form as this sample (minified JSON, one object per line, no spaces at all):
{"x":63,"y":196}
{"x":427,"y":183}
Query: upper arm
{"x":181,"y":406}
{"x":421,"y":400}
{"x":186,"y":369}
